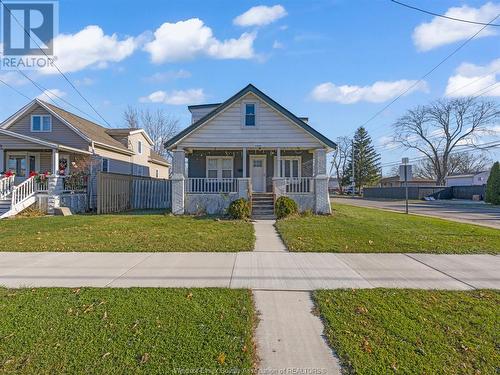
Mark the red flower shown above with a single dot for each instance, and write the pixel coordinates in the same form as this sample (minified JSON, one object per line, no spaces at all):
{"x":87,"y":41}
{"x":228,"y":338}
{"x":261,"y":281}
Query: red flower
{"x":33,"y":174}
{"x":9,"y":173}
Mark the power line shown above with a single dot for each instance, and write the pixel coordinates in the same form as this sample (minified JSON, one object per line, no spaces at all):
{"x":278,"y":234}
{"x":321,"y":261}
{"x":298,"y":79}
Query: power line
{"x":16,"y":90}
{"x":442,"y":15}
{"x":55,"y":65}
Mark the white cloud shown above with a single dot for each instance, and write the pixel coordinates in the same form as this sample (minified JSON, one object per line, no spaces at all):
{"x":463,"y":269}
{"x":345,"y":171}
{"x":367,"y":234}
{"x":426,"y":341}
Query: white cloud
{"x":471,"y":79}
{"x":90,"y":47}
{"x":175,"y":97}
{"x":185,"y":40}
{"x":51,"y":94}
{"x":169,"y":75}
{"x":260,"y":15}
{"x":380,"y":91}
{"x":13,"y":78}
{"x":85,"y":82}
{"x":441,"y":31}
{"x":278,"y":45}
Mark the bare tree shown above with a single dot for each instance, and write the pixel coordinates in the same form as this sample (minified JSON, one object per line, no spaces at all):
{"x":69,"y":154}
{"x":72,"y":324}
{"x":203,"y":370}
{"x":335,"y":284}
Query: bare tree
{"x":159,"y":125}
{"x":437,"y":129}
{"x":340,"y":161}
{"x":467,"y":162}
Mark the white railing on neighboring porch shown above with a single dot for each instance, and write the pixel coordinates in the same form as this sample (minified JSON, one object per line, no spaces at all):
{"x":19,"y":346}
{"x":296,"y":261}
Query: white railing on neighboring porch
{"x":23,"y":191}
{"x":6,"y":185}
{"x":299,"y":185}
{"x":211,"y":185}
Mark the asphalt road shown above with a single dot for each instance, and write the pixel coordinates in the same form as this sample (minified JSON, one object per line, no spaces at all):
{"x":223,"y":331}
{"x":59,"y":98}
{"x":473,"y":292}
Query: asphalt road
{"x":463,"y":211}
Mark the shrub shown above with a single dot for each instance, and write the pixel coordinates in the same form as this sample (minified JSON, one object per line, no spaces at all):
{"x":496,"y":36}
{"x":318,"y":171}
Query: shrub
{"x":493,"y":185}
{"x":239,"y":209}
{"x":285,"y":207}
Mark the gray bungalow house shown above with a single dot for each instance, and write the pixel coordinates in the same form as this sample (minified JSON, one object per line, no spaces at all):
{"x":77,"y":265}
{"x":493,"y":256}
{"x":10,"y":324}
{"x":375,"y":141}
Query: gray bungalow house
{"x":248,"y":146}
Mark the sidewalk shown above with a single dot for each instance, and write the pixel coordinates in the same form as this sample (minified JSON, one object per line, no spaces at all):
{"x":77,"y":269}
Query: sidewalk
{"x":254,"y":270}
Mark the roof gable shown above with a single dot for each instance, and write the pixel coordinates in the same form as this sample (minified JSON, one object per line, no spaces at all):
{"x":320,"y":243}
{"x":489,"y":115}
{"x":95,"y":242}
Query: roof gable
{"x":267,"y":100}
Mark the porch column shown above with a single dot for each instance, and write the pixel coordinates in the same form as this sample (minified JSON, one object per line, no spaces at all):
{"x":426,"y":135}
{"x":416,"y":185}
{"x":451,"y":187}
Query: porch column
{"x":322,"y":198}
{"x":55,"y":161}
{"x":2,"y":160}
{"x":244,"y":162}
{"x":178,"y":178}
{"x":278,"y":162}
{"x":54,"y":190}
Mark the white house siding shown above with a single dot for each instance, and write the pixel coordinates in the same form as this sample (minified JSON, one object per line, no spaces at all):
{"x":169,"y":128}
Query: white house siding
{"x":197,"y":113}
{"x":60,"y":134}
{"x":272,"y":130}
{"x":468,"y":180}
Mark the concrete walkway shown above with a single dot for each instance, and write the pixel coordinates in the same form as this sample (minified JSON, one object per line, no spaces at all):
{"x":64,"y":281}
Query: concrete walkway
{"x":266,"y":236}
{"x":254,"y":270}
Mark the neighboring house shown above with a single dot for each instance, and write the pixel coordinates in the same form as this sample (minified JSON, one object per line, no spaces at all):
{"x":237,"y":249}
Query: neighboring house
{"x":394,"y":181}
{"x":471,"y":179}
{"x":41,"y":137}
{"x":333,"y":184}
{"x":248,"y":146}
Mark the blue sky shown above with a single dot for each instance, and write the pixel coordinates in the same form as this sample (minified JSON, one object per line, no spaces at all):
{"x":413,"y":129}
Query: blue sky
{"x":337,"y":62}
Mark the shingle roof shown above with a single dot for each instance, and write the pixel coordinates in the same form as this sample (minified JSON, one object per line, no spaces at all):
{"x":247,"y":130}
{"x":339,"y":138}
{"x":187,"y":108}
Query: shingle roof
{"x":251,"y":88}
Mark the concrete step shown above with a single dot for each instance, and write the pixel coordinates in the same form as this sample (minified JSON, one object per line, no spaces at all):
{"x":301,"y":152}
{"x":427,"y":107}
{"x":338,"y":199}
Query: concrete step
{"x":263,"y":217}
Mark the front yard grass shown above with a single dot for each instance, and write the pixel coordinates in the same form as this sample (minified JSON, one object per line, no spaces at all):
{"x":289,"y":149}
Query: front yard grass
{"x":144,"y":232}
{"x":382,"y":331}
{"x":364,"y":230}
{"x":125,"y":331}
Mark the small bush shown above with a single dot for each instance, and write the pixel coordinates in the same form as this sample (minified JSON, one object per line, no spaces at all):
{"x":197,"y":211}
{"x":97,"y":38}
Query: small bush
{"x":239,"y":209}
{"x":493,"y":185}
{"x":285,"y":207}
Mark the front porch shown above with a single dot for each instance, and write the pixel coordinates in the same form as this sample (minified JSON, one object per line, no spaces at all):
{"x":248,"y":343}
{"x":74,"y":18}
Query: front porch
{"x":208,"y":180}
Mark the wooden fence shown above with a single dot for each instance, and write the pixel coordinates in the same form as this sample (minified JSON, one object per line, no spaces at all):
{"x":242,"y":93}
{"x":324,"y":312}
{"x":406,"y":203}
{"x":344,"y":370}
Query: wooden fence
{"x":119,"y":193}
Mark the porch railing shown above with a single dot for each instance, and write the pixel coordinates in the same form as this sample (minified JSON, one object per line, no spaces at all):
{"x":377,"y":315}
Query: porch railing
{"x":299,"y":185}
{"x":75,"y":182}
{"x":6,"y":185}
{"x":211,"y":185}
{"x":23,"y":191}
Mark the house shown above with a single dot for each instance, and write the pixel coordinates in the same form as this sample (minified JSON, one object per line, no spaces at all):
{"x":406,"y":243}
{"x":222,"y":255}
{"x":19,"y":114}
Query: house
{"x":471,"y":179}
{"x":43,"y":138}
{"x":394,"y":181}
{"x":248,"y":146}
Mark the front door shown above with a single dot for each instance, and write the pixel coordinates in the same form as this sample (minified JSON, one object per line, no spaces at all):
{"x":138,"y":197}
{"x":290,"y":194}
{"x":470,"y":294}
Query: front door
{"x":258,"y":173}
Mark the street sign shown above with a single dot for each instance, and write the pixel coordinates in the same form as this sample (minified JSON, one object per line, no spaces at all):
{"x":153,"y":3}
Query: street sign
{"x":405,"y":170}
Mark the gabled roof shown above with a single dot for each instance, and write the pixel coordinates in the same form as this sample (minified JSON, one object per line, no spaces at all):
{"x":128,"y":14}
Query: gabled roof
{"x":268,"y":100}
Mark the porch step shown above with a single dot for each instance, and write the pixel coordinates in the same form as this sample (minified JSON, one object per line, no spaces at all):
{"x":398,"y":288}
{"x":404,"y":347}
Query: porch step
{"x":262,"y":206}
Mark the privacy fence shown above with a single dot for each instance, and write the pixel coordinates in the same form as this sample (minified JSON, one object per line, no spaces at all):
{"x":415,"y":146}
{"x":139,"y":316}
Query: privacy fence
{"x":119,"y":193}
{"x":415,"y":192}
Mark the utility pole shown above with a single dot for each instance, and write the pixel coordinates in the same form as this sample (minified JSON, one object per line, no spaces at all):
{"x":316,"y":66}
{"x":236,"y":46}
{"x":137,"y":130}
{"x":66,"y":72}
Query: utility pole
{"x":406,"y":169}
{"x":353,"y":178}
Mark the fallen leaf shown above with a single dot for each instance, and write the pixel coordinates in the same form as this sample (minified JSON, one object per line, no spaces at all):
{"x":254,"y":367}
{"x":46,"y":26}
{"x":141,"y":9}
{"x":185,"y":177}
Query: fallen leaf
{"x":144,"y":358}
{"x":189,"y":296}
{"x":76,"y":291}
{"x":370,"y":242}
{"x":105,"y":355}
{"x":221,"y":358}
{"x":361,"y":310}
{"x":105,"y":316}
{"x":366,"y":346}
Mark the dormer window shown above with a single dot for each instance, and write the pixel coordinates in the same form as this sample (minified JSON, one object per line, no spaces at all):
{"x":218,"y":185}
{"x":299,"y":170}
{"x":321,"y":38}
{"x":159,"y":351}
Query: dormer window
{"x":41,"y":123}
{"x":139,"y":147}
{"x":250,"y":114}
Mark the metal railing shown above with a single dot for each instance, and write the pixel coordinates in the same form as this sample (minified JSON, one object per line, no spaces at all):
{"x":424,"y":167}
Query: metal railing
{"x":299,"y":185}
{"x":75,"y":182}
{"x":6,"y":186}
{"x":211,"y":185}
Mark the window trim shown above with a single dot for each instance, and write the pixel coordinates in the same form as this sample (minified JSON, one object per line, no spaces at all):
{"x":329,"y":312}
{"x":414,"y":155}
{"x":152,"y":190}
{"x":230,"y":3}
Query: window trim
{"x":298,"y":158}
{"x":244,"y":113}
{"x":107,"y":165}
{"x":41,"y":124}
{"x":139,"y":147}
{"x":219,"y":166}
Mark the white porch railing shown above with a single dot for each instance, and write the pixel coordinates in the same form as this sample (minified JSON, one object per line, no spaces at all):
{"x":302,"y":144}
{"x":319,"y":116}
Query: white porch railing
{"x":299,"y":185}
{"x":211,"y":185}
{"x":23,"y":191}
{"x":6,"y":186}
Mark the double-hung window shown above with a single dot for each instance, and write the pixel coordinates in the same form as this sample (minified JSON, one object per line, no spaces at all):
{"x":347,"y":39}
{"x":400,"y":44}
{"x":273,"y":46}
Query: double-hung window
{"x":249,"y":114}
{"x":41,"y":123}
{"x":290,"y":167}
{"x":219,"y":167}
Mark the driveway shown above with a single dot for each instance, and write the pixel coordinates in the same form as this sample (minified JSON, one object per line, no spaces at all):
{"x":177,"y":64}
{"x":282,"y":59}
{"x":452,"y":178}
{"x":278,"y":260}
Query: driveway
{"x":462,"y":211}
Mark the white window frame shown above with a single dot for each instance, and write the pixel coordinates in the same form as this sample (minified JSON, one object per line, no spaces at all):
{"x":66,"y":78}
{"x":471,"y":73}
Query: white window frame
{"x":102,"y":164}
{"x":244,"y":112}
{"x":41,"y":124}
{"x":139,"y":147}
{"x":283,"y":158}
{"x":219,"y":165}
{"x":26,"y":156}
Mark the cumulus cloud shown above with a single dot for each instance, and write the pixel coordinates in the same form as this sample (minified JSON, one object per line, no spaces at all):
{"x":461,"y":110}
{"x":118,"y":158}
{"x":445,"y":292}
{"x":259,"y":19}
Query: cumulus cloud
{"x":169,"y":75}
{"x":260,"y":15}
{"x":90,"y":47}
{"x":378,"y":92}
{"x":51,"y":94}
{"x":13,"y":78}
{"x":185,"y":40}
{"x":440,"y":31}
{"x":175,"y":97}
{"x":470,"y":79}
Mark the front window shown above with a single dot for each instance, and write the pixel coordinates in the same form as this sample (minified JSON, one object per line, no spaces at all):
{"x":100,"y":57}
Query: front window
{"x":105,"y":165}
{"x":290,"y":167}
{"x":41,"y":123}
{"x":219,"y":167}
{"x":139,"y":147}
{"x":17,"y":164}
{"x":250,"y":114}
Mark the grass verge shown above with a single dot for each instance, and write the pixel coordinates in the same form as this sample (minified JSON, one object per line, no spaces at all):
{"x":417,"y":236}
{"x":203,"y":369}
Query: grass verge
{"x":147,"y":232}
{"x":120,"y":331}
{"x":382,"y":331}
{"x":364,"y":230}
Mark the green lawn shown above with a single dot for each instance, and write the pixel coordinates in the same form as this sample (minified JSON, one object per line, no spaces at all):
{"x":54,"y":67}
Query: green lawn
{"x":125,"y":331}
{"x":147,"y":232}
{"x":365,"y":230}
{"x":382,"y":331}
